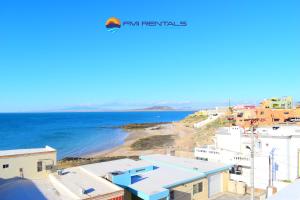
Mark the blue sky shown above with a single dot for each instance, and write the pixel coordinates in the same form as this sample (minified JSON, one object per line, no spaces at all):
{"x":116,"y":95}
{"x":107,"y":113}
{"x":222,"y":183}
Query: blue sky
{"x":58,"y":54}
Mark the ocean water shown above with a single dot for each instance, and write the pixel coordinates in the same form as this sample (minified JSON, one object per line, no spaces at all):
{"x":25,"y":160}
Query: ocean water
{"x":74,"y":134}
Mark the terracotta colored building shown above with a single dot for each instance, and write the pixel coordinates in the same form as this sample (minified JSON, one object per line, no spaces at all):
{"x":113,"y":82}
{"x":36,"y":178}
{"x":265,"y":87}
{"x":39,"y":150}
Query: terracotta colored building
{"x":267,"y":116}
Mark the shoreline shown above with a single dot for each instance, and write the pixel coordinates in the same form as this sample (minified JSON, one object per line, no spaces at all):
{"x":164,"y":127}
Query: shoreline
{"x":175,"y":135}
{"x":122,"y":151}
{"x":178,"y":138}
{"x":133,"y":135}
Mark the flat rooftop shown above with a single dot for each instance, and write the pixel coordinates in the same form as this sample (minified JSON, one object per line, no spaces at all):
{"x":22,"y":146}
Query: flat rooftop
{"x":223,"y":131}
{"x":75,"y":179}
{"x":268,"y":131}
{"x":162,"y":178}
{"x":19,"y":152}
{"x":279,"y":130}
{"x":59,"y":187}
{"x":169,"y":171}
{"x":204,"y":167}
{"x":103,"y":168}
{"x":20,"y":189}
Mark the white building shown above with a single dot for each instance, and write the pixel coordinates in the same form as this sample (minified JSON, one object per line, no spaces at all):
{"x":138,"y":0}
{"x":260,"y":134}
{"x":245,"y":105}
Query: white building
{"x":277,"y":153}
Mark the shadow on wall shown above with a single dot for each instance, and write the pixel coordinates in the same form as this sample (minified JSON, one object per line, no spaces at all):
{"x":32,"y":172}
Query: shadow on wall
{"x":19,"y":189}
{"x":182,"y":195}
{"x":137,"y":178}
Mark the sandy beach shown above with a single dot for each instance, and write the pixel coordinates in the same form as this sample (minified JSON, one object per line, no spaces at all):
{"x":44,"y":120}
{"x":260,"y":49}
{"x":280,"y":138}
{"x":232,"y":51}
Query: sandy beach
{"x":179,"y":138}
{"x":182,"y":138}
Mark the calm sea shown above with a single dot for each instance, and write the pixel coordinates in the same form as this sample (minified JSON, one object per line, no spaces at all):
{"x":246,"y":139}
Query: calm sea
{"x":73,"y":134}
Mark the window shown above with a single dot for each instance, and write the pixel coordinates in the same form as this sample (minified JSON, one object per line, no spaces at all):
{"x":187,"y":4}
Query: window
{"x":197,"y":188}
{"x":49,"y":167}
{"x":39,"y":166}
{"x":237,"y":169}
{"x":201,"y":158}
{"x":5,"y":166}
{"x":200,"y":187}
{"x":139,"y":170}
{"x":172,"y":195}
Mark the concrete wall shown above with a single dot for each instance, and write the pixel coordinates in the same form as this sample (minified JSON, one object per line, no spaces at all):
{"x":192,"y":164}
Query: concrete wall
{"x":185,"y":191}
{"x":225,"y":181}
{"x":230,"y":142}
{"x":28,"y":163}
{"x":294,"y":158}
{"x":281,"y":155}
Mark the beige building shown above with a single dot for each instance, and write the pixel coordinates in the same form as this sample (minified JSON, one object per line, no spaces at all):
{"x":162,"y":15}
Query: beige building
{"x":27,"y":163}
{"x":30,"y":174}
{"x":199,"y":189}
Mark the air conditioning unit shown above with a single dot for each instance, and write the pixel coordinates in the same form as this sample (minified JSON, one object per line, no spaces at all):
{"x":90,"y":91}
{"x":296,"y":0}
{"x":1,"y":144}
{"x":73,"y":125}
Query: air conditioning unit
{"x":60,"y":172}
{"x":83,"y":191}
{"x":108,"y":177}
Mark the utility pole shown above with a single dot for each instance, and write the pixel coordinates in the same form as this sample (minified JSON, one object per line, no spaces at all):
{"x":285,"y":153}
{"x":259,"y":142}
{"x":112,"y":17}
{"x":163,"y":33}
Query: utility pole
{"x":271,"y":178}
{"x":252,"y":149}
{"x":252,"y":162}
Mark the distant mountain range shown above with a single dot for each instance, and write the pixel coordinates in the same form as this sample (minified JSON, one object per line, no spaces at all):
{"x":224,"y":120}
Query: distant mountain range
{"x":96,"y":108}
{"x":157,"y":108}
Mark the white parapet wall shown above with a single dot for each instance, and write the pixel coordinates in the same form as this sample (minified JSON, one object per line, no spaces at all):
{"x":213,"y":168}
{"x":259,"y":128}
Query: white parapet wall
{"x":210,"y":119}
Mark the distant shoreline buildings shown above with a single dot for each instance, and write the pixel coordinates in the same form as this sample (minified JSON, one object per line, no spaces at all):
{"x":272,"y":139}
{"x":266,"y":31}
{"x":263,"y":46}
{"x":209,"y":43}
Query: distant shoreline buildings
{"x":270,"y":112}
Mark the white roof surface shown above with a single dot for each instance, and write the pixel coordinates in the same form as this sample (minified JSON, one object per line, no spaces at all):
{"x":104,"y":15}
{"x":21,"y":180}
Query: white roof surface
{"x":149,"y":182}
{"x":25,"y":151}
{"x":75,"y":179}
{"x":169,"y":171}
{"x":163,"y":177}
{"x":185,"y":163}
{"x":291,"y":130}
{"x":291,"y":192}
{"x":21,"y":189}
{"x":103,"y":168}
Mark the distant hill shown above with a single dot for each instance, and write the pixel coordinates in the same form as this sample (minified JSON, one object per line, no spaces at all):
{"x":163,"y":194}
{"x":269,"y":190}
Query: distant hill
{"x":158,"y":108}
